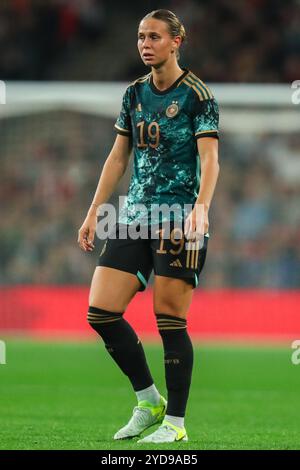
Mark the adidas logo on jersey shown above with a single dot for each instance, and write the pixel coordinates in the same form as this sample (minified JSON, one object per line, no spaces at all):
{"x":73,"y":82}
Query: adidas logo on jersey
{"x":176,"y":263}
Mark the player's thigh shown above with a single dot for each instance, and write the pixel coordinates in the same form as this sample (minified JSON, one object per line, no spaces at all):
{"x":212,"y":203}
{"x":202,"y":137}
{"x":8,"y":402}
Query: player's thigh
{"x":172,"y":296}
{"x":112,"y":289}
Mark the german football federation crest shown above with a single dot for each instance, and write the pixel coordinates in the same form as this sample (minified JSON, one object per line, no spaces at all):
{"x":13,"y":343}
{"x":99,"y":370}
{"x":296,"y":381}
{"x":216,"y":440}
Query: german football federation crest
{"x":172,"y":110}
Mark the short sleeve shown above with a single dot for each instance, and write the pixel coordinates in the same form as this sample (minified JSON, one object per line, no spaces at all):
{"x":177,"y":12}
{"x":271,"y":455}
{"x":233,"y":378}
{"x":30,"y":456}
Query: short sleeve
{"x":123,"y":123}
{"x":206,"y":118}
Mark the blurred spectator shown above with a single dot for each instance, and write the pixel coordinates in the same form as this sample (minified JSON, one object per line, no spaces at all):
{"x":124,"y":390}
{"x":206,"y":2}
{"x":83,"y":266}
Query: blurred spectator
{"x":37,"y":37}
{"x":50,"y":164}
{"x":249,"y":41}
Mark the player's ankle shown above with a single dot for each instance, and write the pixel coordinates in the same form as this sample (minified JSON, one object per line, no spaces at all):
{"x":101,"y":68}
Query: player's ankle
{"x":149,"y":394}
{"x":177,"y":421}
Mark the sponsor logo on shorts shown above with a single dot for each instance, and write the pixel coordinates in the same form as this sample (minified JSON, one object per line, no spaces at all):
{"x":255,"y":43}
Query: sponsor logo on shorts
{"x":176,"y":263}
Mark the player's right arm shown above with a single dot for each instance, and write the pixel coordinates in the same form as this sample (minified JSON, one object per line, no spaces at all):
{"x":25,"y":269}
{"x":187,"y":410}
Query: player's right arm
{"x":113,"y":170}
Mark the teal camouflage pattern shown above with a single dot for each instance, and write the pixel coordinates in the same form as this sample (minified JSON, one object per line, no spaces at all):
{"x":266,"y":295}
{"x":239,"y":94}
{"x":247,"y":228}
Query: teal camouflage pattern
{"x":164,"y":128}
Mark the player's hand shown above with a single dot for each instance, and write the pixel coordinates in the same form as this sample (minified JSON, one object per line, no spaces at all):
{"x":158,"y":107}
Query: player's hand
{"x":196,"y":224}
{"x":86,"y":233}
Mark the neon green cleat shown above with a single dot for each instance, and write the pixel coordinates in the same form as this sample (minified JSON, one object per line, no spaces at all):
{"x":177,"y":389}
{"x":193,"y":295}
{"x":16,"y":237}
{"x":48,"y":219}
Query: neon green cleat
{"x":167,"y":432}
{"x":144,"y":415}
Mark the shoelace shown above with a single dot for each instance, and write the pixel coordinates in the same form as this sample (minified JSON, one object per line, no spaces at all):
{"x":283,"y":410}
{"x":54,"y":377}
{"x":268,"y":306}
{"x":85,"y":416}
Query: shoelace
{"x":139,"y":415}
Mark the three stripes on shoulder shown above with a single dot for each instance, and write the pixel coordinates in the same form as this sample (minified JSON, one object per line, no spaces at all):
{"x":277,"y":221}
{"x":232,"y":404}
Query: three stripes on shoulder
{"x":198,"y":86}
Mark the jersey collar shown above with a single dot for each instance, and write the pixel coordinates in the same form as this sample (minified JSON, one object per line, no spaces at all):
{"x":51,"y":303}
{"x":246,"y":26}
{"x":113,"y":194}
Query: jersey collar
{"x":174,"y":85}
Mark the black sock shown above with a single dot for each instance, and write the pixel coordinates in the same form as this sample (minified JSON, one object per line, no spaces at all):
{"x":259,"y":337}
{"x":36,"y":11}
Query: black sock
{"x":178,"y":352}
{"x":123,"y":345}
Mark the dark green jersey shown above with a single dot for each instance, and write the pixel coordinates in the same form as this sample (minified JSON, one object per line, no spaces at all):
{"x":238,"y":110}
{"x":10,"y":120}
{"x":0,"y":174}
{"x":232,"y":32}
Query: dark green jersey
{"x":164,"y":127}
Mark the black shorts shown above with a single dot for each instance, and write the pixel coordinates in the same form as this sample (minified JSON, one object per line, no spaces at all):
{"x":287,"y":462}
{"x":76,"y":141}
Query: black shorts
{"x":169,"y":253}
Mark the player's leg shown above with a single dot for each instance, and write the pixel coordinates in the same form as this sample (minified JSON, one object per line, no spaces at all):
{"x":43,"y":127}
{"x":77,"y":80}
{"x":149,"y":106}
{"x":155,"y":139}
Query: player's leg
{"x":177,"y":267}
{"x":124,"y":269}
{"x":111,"y":292}
{"x":172,"y":299}
{"x":112,"y":289}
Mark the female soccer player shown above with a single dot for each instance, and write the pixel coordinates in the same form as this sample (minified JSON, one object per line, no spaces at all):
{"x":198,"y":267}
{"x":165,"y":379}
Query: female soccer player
{"x":170,"y":118}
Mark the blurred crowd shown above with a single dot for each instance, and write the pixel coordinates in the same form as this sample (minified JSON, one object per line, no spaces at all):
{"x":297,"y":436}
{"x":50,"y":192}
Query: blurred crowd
{"x":50,"y":164}
{"x":248,"y":41}
{"x":38,"y":36}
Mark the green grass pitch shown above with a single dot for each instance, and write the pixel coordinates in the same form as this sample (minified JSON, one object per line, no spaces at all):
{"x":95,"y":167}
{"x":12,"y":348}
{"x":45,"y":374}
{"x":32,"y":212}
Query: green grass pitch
{"x":56,"y":395}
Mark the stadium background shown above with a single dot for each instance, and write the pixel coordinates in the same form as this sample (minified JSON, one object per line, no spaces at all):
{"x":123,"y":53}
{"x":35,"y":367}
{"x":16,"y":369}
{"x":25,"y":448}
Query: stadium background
{"x":51,"y":155}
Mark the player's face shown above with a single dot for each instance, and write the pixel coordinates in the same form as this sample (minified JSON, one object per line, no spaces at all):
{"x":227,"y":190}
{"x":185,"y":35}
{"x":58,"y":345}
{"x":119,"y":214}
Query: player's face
{"x":155,"y":43}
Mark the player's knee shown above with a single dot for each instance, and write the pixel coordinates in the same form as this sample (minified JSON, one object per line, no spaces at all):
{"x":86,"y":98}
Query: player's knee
{"x":170,"y":308}
{"x":167,"y":324}
{"x":98,"y":318}
{"x":108,"y":303}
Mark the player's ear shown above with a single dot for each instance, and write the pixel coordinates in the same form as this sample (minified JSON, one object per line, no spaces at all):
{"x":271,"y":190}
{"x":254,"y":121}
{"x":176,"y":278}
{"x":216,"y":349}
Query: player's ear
{"x":177,"y":41}
{"x":176,"y":44}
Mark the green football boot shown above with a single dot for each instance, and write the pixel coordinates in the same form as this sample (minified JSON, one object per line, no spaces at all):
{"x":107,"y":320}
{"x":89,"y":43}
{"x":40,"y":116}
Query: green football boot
{"x":144,"y":415}
{"x":167,"y":432}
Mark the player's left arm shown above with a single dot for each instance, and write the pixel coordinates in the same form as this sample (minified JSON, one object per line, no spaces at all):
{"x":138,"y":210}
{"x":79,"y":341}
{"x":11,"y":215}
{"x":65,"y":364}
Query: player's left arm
{"x":197,"y":223}
{"x":206,"y":131}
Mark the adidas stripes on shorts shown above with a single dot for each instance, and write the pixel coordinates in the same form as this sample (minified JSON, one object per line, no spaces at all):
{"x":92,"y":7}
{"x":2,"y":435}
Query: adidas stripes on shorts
{"x":168,"y":253}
